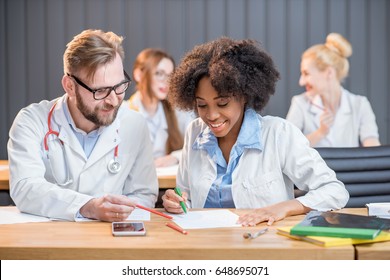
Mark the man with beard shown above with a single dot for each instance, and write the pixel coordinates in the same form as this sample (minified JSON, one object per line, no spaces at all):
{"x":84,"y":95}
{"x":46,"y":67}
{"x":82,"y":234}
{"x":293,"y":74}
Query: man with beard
{"x":83,"y":155}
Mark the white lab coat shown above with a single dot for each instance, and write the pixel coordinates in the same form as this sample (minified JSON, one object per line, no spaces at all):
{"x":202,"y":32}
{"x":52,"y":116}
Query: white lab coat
{"x":353,"y":123}
{"x":32,"y":184}
{"x":161,"y":132}
{"x":266,"y":177}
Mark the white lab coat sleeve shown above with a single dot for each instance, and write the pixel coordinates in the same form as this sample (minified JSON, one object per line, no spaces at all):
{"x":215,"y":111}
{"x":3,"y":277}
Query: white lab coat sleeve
{"x":182,"y":177}
{"x":184,"y":118}
{"x":296,"y":112}
{"x":368,"y":127}
{"x":29,"y":189}
{"x":142,"y":183}
{"x":308,"y":171}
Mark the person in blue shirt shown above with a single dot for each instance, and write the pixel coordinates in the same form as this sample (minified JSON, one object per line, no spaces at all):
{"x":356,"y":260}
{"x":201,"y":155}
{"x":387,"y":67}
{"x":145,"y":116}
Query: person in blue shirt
{"x":232,"y":156}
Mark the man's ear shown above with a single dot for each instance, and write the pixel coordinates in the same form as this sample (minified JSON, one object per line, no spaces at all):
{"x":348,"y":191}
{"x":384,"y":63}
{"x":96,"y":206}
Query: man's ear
{"x":137,"y":74}
{"x":68,"y":85}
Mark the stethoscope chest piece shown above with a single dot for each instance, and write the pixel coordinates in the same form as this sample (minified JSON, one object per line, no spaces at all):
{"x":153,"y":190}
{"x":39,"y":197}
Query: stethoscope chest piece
{"x":114,"y":166}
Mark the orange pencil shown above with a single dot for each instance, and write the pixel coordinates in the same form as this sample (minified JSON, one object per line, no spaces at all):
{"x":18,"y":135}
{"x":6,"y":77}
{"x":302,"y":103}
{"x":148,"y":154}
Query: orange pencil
{"x":154,"y":211}
{"x":175,"y":227}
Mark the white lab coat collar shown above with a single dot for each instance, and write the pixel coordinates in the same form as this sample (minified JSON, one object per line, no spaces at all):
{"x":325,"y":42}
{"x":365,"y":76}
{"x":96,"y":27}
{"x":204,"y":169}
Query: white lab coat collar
{"x":317,"y":101}
{"x":345,"y":104}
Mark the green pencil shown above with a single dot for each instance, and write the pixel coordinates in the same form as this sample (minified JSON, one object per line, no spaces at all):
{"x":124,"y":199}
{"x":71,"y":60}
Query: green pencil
{"x":182,"y":204}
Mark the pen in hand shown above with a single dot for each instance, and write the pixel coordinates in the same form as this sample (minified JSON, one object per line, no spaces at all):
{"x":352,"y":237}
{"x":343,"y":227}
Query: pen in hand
{"x":182,"y":204}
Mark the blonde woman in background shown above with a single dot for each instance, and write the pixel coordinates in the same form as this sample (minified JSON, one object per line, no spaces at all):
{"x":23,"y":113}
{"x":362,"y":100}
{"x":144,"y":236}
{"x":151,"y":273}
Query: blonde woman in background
{"x":328,"y":114}
{"x":166,"y":125}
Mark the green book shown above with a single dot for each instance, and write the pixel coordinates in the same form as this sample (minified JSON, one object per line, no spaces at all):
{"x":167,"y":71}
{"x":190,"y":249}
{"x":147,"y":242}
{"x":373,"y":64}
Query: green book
{"x":332,"y":224}
{"x":326,"y":241}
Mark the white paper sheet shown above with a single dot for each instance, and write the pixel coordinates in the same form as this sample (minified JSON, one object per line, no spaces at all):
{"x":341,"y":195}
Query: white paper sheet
{"x":12,"y":215}
{"x":206,"y":219}
{"x":139,"y":215}
{"x":136,"y":215}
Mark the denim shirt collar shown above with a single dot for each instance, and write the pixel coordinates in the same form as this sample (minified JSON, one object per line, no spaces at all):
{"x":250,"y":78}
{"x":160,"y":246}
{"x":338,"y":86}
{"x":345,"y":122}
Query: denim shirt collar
{"x":248,"y":137}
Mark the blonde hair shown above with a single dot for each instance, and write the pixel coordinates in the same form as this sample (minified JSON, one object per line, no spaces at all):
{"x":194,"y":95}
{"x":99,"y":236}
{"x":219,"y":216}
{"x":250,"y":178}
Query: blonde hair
{"x":91,"y":49}
{"x":333,"y":53}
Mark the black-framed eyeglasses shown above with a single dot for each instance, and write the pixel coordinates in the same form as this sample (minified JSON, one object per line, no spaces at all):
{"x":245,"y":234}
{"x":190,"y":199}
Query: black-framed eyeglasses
{"x":101,"y":93}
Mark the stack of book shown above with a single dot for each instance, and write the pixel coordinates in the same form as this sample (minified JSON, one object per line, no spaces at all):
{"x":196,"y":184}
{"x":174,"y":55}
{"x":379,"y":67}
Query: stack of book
{"x":337,"y":229}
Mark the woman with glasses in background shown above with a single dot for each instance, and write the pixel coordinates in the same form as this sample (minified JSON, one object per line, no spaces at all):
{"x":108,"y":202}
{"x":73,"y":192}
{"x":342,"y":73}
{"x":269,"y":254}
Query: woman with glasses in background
{"x":166,"y":125}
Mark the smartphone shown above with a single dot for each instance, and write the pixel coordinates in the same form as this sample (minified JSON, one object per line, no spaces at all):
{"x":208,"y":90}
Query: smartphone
{"x":128,"y":228}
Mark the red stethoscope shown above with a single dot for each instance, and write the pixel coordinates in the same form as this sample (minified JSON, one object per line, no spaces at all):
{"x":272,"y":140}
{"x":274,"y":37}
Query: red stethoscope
{"x":113,"y":166}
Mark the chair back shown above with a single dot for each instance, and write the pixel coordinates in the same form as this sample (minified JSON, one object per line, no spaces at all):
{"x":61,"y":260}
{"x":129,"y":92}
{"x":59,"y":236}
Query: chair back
{"x":365,"y":172}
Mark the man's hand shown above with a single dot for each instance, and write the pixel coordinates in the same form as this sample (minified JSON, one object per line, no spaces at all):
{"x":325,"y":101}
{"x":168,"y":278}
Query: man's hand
{"x":109,"y":208}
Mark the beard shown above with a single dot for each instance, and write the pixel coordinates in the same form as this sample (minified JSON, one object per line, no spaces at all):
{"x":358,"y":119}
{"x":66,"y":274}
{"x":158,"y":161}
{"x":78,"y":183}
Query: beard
{"x":92,"y":114}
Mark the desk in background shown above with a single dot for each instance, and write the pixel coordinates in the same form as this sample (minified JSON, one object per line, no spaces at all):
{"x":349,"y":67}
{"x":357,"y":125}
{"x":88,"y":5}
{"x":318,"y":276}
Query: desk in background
{"x":4,"y":175}
{"x":166,"y":180}
{"x":93,"y":240}
{"x":5,"y":198}
{"x":166,"y":177}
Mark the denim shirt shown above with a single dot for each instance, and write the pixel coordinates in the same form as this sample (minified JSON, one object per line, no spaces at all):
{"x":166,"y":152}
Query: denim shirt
{"x":220,"y":194}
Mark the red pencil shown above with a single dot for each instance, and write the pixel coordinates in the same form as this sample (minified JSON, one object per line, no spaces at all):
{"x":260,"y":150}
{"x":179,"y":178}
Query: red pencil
{"x":175,"y":227}
{"x":154,"y":211}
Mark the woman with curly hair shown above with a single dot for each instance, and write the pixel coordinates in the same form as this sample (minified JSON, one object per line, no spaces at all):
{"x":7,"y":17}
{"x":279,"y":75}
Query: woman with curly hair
{"x":232,"y":156}
{"x":328,"y":114}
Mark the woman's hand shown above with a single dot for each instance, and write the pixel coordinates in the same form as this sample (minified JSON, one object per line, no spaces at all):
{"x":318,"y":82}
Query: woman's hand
{"x":171,"y":201}
{"x":267,"y":214}
{"x":273,"y":213}
{"x":326,"y":122}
